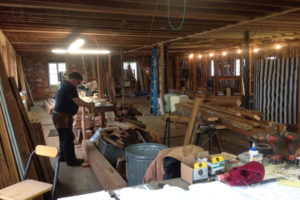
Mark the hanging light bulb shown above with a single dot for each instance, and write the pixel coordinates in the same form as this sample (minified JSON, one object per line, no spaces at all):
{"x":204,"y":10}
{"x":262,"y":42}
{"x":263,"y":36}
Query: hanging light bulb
{"x":239,"y":51}
{"x":224,"y":53}
{"x":255,"y":50}
{"x":211,"y":55}
{"x":277,"y":46}
{"x":191,"y":56}
{"x":200,"y":56}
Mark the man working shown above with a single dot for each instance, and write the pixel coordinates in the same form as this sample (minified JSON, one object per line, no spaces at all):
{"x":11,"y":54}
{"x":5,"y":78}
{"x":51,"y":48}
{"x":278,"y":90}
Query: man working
{"x":66,"y":105}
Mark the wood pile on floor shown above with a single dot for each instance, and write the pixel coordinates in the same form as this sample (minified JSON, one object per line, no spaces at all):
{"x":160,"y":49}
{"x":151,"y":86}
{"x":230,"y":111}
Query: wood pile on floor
{"x":237,"y":119}
{"x":49,"y":105}
{"x":128,"y":111}
{"x":123,"y":134}
{"x":18,"y":137}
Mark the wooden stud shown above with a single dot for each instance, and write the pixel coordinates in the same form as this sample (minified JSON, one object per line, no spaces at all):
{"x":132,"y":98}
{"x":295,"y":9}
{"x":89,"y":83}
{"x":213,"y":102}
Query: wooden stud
{"x":177,"y":72}
{"x":161,"y":74}
{"x":191,"y":124}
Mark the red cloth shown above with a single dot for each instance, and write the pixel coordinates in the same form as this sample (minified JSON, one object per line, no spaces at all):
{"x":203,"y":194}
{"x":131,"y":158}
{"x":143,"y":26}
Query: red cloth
{"x":252,"y":172}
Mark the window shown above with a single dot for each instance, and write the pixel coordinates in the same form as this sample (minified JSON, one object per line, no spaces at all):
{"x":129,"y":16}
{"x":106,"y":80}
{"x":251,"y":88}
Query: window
{"x":54,"y":69}
{"x":212,"y":68}
{"x":133,"y":67}
{"x":237,"y":67}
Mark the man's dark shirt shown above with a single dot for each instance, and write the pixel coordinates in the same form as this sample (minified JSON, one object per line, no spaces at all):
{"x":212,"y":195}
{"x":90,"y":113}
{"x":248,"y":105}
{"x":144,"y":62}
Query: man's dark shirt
{"x":64,"y":96}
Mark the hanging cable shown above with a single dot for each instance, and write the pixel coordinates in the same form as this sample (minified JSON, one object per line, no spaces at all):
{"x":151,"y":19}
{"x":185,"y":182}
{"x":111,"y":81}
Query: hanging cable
{"x":183,"y":16}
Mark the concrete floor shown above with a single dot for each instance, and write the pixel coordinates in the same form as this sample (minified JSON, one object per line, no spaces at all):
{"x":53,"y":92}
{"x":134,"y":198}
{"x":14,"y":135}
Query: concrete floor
{"x":72,"y":180}
{"x":78,"y":180}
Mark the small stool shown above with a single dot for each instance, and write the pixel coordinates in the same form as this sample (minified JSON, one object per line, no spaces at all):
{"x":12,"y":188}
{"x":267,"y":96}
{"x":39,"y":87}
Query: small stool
{"x":170,"y":119}
{"x":212,"y":132}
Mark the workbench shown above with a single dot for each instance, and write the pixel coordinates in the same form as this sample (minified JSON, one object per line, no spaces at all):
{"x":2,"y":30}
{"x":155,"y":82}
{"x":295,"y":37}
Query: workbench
{"x":100,"y":110}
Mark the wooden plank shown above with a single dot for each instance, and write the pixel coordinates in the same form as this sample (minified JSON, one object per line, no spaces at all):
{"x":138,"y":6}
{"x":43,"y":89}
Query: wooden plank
{"x":83,"y":127}
{"x":161,"y":74}
{"x":28,"y":94}
{"x":107,"y":175}
{"x":30,"y":136}
{"x":177,"y":72}
{"x":191,"y":124}
{"x":17,"y":122}
{"x":194,"y":74}
{"x":4,"y":169}
{"x":100,"y":77}
{"x":8,"y":151}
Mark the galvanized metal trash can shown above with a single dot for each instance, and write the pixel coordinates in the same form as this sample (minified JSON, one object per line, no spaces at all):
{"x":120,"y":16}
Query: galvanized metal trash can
{"x":138,"y":158}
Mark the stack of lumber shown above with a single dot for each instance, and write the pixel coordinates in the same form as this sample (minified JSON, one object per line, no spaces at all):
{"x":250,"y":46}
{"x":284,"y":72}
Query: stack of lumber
{"x":237,"y":119}
{"x":123,"y":134}
{"x":17,"y":135}
{"x":49,"y":105}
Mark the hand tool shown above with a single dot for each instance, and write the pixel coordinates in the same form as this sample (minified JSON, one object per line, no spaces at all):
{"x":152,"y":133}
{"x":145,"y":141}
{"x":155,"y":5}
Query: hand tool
{"x":274,"y":140}
{"x":291,"y":139}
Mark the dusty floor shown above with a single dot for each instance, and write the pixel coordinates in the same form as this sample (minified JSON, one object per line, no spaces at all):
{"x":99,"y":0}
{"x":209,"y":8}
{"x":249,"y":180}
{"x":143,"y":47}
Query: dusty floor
{"x":72,"y":180}
{"x":78,"y":180}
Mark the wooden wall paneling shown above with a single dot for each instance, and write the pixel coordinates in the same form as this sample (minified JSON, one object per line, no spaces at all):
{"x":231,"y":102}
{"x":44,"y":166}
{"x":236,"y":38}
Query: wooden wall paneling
{"x":177,"y":63}
{"x":17,"y":123}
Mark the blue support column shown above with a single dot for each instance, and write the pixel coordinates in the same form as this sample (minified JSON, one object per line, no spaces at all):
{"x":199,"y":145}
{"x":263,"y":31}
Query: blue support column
{"x":154,"y":82}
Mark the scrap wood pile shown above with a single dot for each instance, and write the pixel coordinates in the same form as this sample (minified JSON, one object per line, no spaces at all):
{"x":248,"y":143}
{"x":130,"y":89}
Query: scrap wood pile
{"x":123,"y":134}
{"x":49,"y":105}
{"x":245,"y":121}
{"x":127,"y":111}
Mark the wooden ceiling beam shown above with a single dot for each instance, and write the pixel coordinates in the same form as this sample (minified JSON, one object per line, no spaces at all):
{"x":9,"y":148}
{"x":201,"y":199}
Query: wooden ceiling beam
{"x":220,"y":29}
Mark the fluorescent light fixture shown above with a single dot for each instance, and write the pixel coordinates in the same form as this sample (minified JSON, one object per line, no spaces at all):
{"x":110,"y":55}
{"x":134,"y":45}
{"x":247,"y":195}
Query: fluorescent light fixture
{"x":76,"y":45}
{"x":87,"y":51}
{"x":59,"y":51}
{"x":191,"y":56}
{"x":74,"y":48}
{"x":239,"y":51}
{"x":224,"y":53}
{"x":200,"y":56}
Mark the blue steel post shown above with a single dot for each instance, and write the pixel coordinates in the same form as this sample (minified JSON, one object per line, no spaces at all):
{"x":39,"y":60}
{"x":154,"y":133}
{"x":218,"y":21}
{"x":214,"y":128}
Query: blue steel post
{"x":154,"y":82}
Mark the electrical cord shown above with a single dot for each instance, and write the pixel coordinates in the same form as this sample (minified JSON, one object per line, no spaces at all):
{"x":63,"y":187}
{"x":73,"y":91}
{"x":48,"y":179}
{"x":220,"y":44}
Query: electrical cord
{"x":183,"y":16}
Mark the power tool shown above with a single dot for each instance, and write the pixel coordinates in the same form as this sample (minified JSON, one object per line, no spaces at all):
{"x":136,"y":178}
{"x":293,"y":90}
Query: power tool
{"x":291,"y":139}
{"x":274,"y":140}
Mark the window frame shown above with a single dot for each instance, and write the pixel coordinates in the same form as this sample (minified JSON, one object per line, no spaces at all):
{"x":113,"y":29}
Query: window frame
{"x":58,"y":69}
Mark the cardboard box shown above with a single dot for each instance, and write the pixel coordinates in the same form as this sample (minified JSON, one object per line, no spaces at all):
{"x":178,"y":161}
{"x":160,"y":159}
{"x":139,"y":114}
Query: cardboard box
{"x":195,"y":173}
{"x":187,"y":173}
